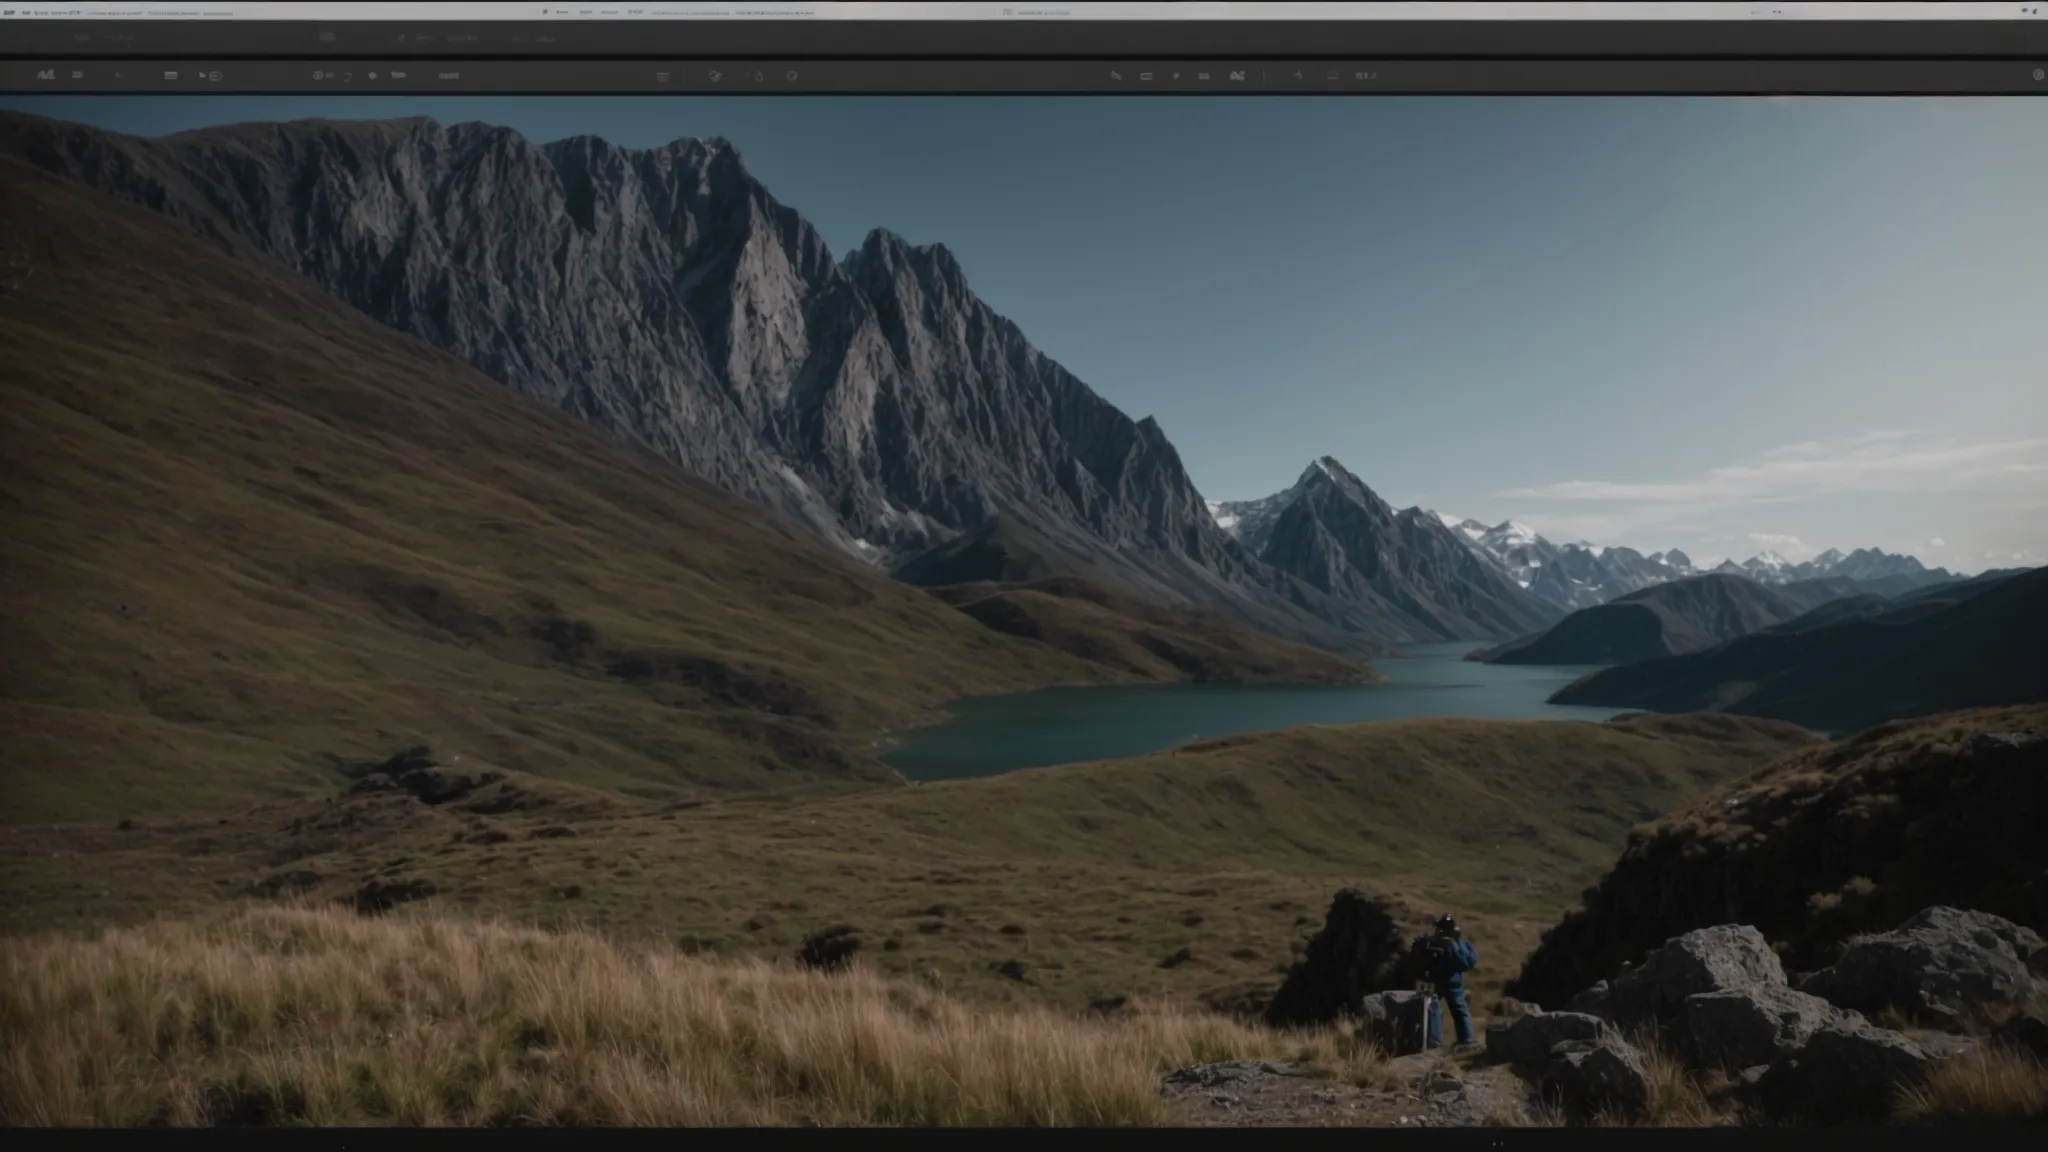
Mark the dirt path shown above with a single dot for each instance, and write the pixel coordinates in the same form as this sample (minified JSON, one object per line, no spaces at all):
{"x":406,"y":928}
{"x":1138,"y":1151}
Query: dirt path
{"x":1434,"y":1090}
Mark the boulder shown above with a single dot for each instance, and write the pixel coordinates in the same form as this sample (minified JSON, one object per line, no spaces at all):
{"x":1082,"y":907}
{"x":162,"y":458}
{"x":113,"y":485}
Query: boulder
{"x":1940,"y":967}
{"x":1850,"y":1071}
{"x":2024,"y":1033}
{"x":1590,"y":1079}
{"x":1746,"y":1027}
{"x":1359,"y":951}
{"x":831,"y":950}
{"x":1394,"y":1022}
{"x":1531,"y":1037}
{"x":376,"y":897}
{"x":1724,"y":958}
{"x":1592,"y":1001}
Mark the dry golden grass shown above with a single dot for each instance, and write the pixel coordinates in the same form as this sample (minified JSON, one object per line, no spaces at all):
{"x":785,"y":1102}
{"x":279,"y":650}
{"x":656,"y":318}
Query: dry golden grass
{"x":317,"y":1016}
{"x":1992,"y":1084}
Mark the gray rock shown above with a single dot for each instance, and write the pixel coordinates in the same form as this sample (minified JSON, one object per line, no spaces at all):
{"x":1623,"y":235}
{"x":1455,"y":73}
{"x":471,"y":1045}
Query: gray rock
{"x":1850,"y":1071}
{"x":1746,"y":1027}
{"x":1940,"y":967}
{"x":1590,"y":1079}
{"x":1724,"y":958}
{"x":1530,"y":1039}
{"x":1592,"y":1001}
{"x":1227,"y":1072}
{"x":1394,"y":1021}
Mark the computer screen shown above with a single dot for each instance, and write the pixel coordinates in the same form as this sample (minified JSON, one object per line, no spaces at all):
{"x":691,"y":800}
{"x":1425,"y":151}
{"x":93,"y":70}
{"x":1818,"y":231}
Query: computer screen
{"x":850,"y":565}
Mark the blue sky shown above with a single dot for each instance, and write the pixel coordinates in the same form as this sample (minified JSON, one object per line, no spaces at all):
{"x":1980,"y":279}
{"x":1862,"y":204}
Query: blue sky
{"x":1721,"y":325}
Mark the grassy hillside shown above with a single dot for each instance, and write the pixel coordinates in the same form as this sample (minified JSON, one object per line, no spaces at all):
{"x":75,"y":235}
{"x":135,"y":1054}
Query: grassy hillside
{"x":1107,"y":625}
{"x":1091,"y":879}
{"x":254,"y":537}
{"x":1972,"y":646}
{"x":321,"y":1017}
{"x":1847,"y":837}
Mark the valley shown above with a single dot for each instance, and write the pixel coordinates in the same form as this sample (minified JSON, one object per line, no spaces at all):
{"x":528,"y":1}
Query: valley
{"x":620,"y":579}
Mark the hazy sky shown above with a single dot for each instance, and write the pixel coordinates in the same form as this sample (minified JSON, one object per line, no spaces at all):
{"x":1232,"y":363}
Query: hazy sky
{"x":1720,"y":325}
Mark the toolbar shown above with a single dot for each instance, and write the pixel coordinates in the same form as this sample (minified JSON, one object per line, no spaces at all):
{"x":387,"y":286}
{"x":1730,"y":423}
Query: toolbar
{"x":1139,"y":77}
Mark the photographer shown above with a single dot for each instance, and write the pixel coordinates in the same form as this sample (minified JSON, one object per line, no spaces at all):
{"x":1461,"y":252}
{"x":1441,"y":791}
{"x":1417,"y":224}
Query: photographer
{"x":1447,"y":956}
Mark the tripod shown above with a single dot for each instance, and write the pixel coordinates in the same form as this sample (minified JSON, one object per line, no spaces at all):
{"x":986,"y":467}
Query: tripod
{"x":1431,"y":1007}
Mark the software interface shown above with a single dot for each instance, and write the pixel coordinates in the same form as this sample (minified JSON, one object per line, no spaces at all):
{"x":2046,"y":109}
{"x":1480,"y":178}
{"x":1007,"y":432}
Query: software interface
{"x":1437,"y":565}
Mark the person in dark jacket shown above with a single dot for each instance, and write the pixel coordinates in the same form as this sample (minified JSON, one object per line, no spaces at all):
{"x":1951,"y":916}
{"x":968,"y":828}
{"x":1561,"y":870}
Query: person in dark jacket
{"x":1448,"y":956}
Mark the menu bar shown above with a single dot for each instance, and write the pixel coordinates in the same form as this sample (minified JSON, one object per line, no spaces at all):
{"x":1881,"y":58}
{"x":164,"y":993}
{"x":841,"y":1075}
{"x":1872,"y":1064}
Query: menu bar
{"x":1262,"y":11}
{"x":394,"y":76}
{"x":1042,"y":39}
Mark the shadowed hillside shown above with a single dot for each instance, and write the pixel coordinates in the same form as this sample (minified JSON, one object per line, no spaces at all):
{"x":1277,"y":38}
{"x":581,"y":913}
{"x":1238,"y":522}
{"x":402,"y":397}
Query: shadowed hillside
{"x":1845,"y":838}
{"x":1968,"y":646}
{"x":1681,"y":616}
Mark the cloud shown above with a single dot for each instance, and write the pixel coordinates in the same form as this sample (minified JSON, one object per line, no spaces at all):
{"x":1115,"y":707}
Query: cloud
{"x":1871,"y":463}
{"x":1937,"y":542}
{"x":1790,"y":547}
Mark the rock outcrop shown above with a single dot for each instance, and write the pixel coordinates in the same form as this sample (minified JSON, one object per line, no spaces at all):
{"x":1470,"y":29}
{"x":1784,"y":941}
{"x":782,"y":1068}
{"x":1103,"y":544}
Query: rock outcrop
{"x":1746,"y":1027}
{"x":1591,"y":1079}
{"x":1532,"y":1036}
{"x":1942,"y":967}
{"x":1394,"y":1022}
{"x":1724,"y":958}
{"x":1851,"y":837}
{"x":1360,"y":950}
{"x":1848,"y":1072}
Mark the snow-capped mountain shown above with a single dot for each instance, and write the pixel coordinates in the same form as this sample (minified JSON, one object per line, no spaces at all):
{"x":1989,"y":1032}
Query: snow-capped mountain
{"x":1580,"y":575}
{"x":1339,"y":537}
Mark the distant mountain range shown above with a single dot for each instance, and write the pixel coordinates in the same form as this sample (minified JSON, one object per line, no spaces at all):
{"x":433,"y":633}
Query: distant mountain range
{"x":666,"y":297}
{"x":1970,"y":644}
{"x":1579,"y":575}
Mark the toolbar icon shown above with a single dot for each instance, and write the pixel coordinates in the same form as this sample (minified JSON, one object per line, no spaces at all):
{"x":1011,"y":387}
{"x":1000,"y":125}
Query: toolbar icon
{"x":1144,"y":75}
{"x":717,"y":76}
{"x":170,"y":75}
{"x":47,"y":74}
{"x":1114,"y":75}
{"x":1237,"y":76}
{"x":661,"y":77}
{"x":214,"y":77}
{"x":791,"y":76}
{"x":1201,"y":75}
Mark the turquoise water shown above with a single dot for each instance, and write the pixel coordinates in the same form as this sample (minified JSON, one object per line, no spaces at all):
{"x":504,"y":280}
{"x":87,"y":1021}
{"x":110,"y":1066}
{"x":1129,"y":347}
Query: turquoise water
{"x":995,"y":734}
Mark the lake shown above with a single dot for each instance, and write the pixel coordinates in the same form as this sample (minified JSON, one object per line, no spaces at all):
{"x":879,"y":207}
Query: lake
{"x":990,"y":735}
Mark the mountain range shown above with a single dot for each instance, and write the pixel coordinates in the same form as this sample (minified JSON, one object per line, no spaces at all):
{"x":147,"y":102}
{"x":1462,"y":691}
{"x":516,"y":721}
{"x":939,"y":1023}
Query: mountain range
{"x":666,"y":297}
{"x":1969,"y":644}
{"x":1579,"y":575}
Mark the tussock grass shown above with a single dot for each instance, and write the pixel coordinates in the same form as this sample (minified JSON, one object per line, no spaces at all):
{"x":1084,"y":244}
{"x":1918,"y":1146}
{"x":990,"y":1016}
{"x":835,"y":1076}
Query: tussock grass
{"x":1992,"y":1084}
{"x":317,"y":1016}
